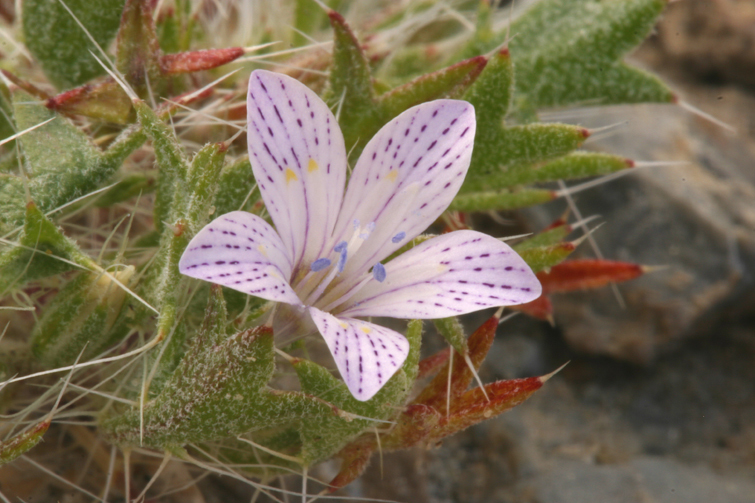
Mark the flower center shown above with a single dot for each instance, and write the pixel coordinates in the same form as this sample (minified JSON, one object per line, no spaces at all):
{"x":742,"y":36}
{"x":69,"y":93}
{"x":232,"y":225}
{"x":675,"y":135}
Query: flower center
{"x":324,"y":270}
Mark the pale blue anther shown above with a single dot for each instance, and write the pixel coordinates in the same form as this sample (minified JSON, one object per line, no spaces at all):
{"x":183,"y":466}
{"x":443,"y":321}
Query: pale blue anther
{"x":320,"y":264}
{"x":370,"y":227}
{"x":341,"y":248}
{"x":398,"y":237}
{"x":378,"y":272}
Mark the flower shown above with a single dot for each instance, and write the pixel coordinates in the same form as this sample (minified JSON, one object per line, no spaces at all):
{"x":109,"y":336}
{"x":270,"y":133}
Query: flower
{"x":326,"y":251}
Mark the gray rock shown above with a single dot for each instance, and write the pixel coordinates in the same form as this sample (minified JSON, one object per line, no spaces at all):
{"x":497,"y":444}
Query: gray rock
{"x":696,"y":219}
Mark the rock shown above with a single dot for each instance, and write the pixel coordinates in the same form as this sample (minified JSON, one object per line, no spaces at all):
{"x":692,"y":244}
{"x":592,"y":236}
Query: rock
{"x":644,"y":479}
{"x":696,"y":219}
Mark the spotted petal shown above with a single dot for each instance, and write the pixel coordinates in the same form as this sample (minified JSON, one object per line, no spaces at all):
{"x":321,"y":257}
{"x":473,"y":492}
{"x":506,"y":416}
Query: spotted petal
{"x":241,"y":251}
{"x":367,"y":355}
{"x":299,"y":160}
{"x":452,"y":274}
{"x":407,"y":176}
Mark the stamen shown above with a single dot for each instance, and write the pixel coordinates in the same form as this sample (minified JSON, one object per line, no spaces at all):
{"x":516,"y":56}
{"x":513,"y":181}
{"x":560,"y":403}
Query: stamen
{"x":368,"y":230}
{"x":378,"y":272}
{"x":320,"y":264}
{"x":398,"y":237}
{"x":342,"y":248}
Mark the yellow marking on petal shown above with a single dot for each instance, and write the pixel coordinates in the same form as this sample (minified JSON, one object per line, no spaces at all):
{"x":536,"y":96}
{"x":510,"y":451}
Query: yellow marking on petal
{"x":392,"y":175}
{"x":312,"y":166}
{"x":366,"y":330}
{"x":290,"y":175}
{"x":262,"y":249}
{"x":343,"y":325}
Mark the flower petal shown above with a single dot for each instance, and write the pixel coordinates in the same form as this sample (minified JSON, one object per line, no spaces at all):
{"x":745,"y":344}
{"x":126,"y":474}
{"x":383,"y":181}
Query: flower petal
{"x":299,"y":160}
{"x":241,"y":251}
{"x":406,"y":177}
{"x":452,"y":274}
{"x":367,"y":355}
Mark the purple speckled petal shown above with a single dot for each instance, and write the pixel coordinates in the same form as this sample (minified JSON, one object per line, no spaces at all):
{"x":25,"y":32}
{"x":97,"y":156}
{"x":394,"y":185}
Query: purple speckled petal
{"x":452,"y":274}
{"x":299,"y":160}
{"x":366,"y":355}
{"x":406,"y":177}
{"x":241,"y":251}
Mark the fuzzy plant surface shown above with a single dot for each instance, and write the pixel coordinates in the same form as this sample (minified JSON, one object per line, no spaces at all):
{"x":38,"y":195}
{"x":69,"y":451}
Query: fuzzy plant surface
{"x":209,"y":242}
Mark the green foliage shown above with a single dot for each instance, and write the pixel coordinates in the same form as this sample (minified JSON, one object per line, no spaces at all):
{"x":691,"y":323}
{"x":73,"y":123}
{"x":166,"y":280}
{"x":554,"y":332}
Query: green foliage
{"x":453,"y":332}
{"x":90,"y":307}
{"x":60,"y":161}
{"x":59,"y":44}
{"x":41,"y":251}
{"x":19,"y":444}
{"x":568,"y":52}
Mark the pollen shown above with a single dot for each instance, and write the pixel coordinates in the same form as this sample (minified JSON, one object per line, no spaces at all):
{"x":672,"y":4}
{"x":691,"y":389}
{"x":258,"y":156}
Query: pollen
{"x":290,"y":175}
{"x":392,"y":175}
{"x":312,"y":166}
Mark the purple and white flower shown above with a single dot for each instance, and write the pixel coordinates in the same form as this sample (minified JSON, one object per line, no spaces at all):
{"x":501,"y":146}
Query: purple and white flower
{"x":326,"y":252}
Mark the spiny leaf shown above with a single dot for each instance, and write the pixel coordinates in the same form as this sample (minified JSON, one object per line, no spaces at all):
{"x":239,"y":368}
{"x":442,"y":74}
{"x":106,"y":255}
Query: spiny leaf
{"x":501,"y":200}
{"x":234,"y":187}
{"x":453,"y":332}
{"x":540,"y":308}
{"x":568,"y":52}
{"x":83,"y":319}
{"x":59,"y":44}
{"x":21,"y":443}
{"x":449,"y":82}
{"x":474,"y":406}
{"x":104,"y":100}
{"x":574,"y":165}
{"x":584,"y":274}
{"x":215,"y":393}
{"x":61,"y":161}
{"x":40,"y":247}
{"x":437,"y":393}
{"x":138,"y":54}
{"x":555,"y":233}
{"x":543,"y":257}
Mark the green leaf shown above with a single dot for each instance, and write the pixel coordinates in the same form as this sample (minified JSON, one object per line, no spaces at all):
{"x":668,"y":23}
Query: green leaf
{"x":569,"y":52}
{"x":61,"y":162}
{"x":60,"y":45}
{"x":453,"y":332}
{"x":87,"y":314}
{"x":236,"y":183}
{"x":502,"y":200}
{"x":138,"y":54}
{"x":21,"y":443}
{"x":42,"y":250}
{"x":546,"y":238}
{"x":576,"y":165}
{"x":171,"y":162}
{"x":543,"y":257}
{"x":450,"y":83}
{"x":203,"y":177}
{"x":215,"y":393}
